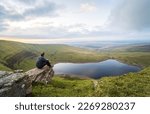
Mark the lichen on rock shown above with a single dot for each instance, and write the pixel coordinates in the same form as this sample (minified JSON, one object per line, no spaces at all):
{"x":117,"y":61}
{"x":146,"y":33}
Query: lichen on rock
{"x":14,"y":84}
{"x":19,"y":84}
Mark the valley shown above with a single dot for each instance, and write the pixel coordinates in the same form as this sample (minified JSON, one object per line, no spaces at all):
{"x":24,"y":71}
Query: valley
{"x":16,"y":55}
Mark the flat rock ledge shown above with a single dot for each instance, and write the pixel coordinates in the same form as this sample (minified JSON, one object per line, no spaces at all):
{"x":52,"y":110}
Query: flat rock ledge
{"x":43,"y":75}
{"x":19,"y":84}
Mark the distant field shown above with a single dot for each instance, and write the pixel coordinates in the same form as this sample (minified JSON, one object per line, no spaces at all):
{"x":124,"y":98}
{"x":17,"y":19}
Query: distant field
{"x":135,"y":58}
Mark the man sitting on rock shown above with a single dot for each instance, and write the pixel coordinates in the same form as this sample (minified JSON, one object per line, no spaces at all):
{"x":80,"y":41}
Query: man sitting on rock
{"x":41,"y":62}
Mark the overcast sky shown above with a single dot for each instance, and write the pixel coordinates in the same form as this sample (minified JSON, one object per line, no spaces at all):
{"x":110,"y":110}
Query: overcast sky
{"x":73,"y":20}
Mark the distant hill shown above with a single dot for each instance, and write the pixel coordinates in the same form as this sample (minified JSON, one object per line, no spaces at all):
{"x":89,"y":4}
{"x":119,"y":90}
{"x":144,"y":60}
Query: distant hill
{"x":16,"y":55}
{"x":127,"y":48}
{"x":142,"y":48}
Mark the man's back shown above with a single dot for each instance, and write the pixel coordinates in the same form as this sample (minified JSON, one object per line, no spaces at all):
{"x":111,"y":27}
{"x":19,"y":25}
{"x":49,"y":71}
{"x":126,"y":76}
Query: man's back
{"x":41,"y":62}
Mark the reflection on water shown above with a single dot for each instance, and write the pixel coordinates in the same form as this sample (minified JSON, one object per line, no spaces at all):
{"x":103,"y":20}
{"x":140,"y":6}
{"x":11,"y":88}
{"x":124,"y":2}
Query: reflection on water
{"x":95,"y":70}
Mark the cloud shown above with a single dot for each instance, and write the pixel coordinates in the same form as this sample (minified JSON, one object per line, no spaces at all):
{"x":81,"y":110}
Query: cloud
{"x":24,"y":11}
{"x":48,"y":19}
{"x":28,"y":2}
{"x":3,"y":26}
{"x":131,"y":15}
{"x":86,"y":7}
{"x":61,"y":31}
{"x":42,"y":8}
{"x":21,"y":9}
{"x":8,"y":14}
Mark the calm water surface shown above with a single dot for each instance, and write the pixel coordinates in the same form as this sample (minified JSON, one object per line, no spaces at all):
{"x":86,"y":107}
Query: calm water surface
{"x":95,"y":70}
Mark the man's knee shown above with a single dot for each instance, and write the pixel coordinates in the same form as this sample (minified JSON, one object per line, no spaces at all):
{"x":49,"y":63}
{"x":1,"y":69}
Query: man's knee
{"x":48,"y":63}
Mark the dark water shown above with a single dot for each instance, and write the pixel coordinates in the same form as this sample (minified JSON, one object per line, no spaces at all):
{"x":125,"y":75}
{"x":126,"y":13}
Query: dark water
{"x":95,"y":70}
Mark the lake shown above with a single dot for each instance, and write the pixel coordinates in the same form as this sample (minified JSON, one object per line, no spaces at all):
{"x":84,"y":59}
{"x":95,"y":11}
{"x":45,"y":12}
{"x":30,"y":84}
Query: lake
{"x":95,"y":70}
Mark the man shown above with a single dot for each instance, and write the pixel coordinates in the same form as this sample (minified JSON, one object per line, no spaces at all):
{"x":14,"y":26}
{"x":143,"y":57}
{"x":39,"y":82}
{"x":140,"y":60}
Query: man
{"x":41,"y":62}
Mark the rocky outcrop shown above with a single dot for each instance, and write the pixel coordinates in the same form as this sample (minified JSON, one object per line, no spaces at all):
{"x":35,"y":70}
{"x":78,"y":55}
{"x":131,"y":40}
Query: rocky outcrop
{"x":14,"y":84}
{"x":43,"y":75}
{"x":17,"y":83}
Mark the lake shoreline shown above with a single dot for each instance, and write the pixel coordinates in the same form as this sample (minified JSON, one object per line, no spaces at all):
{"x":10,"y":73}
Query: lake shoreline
{"x":95,"y":70}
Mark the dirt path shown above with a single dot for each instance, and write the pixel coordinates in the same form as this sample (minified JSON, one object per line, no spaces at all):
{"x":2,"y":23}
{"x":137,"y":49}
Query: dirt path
{"x":95,"y":83}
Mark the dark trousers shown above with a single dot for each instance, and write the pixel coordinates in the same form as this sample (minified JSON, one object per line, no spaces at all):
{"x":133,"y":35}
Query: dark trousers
{"x":48,"y":63}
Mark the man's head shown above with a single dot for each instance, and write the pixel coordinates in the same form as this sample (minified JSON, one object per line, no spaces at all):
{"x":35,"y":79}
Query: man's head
{"x":42,"y":54}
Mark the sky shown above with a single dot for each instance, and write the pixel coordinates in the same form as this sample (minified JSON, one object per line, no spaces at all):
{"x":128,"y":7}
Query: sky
{"x":58,"y":21}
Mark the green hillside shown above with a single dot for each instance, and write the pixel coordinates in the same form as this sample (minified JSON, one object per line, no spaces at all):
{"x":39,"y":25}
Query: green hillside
{"x":132,"y":84}
{"x":15,"y":55}
{"x":143,"y":48}
{"x":2,"y":67}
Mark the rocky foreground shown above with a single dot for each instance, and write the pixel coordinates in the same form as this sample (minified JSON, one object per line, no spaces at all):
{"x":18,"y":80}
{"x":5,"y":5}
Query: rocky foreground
{"x":19,"y":84}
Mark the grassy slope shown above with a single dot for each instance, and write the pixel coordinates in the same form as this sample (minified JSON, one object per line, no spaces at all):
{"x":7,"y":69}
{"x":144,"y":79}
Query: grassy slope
{"x":2,"y":67}
{"x":23,"y":56}
{"x":15,"y":55}
{"x":18,"y":55}
{"x":135,"y":58}
{"x":133,"y":84}
{"x":64,"y":86}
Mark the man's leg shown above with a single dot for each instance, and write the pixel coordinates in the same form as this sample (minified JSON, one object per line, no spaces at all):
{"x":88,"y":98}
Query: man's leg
{"x":48,"y":63}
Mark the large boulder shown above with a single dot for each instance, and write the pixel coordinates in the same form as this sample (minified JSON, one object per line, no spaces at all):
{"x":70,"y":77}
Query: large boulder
{"x":43,"y":75}
{"x":14,"y":84}
{"x":19,"y":84}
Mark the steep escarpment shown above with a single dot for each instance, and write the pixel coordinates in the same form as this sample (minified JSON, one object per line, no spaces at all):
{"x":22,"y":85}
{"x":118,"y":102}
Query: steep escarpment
{"x":18,"y":58}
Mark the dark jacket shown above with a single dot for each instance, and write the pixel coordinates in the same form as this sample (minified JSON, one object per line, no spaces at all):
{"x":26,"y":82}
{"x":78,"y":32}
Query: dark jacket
{"x":41,"y":62}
